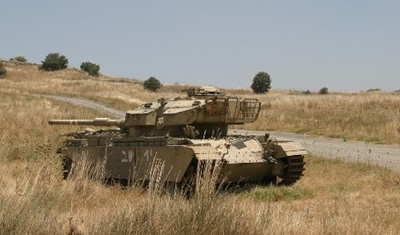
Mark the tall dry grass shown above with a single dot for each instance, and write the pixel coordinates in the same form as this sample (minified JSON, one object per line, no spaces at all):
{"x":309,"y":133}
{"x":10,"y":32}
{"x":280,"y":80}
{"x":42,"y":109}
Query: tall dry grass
{"x":25,"y":133}
{"x":333,"y":197}
{"x":38,"y":201}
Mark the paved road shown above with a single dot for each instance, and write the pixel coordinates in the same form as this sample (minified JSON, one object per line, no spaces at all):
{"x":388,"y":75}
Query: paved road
{"x":384,"y":155}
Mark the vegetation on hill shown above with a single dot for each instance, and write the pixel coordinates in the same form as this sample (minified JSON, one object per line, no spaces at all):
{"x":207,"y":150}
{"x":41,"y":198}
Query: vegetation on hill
{"x":21,"y":59}
{"x":54,"y":62}
{"x":323,"y":91}
{"x":152,"y":84}
{"x":261,"y":83}
{"x":90,"y":68}
{"x":3,"y":71}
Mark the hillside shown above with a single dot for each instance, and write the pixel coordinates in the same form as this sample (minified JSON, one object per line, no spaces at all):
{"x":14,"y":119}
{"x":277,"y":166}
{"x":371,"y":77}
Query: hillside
{"x":333,"y":197}
{"x":366,"y":116}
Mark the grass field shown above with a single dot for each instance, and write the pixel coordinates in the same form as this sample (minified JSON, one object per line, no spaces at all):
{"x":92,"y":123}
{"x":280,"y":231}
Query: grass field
{"x":367,"y":116}
{"x":333,"y":197}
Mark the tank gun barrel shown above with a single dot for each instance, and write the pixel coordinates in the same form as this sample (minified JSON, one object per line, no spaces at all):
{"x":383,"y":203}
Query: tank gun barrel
{"x":88,"y":122}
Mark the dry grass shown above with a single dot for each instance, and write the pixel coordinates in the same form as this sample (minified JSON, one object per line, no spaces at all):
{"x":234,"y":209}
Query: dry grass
{"x":35,"y":200}
{"x":372,"y":117}
{"x":333,"y":197}
{"x":25,"y":133}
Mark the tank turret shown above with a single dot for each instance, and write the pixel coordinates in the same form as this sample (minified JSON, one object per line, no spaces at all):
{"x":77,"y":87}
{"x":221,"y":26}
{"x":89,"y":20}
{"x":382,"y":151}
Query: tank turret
{"x":206,"y":112}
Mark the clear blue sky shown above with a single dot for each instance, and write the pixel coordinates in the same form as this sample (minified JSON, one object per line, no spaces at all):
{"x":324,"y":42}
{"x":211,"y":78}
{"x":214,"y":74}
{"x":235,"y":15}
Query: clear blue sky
{"x":343,"y":45}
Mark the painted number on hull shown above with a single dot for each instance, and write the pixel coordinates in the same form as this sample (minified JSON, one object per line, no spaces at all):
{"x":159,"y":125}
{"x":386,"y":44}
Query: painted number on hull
{"x":129,"y":157}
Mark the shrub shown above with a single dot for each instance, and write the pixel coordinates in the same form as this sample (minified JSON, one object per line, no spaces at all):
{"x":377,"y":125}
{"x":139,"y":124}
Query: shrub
{"x":20,"y":59}
{"x":53,"y":62}
{"x":374,"y":90}
{"x":323,"y":91}
{"x":3,"y":71}
{"x":90,"y":68}
{"x":261,"y":83}
{"x":152,"y":84}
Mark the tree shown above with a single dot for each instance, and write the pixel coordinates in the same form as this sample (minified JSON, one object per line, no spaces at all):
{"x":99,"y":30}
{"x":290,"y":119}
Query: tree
{"x":54,"y":61}
{"x":3,"y":71}
{"x":20,"y":59}
{"x":261,"y":83}
{"x":90,"y":68}
{"x":152,"y":84}
{"x":374,"y":90}
{"x":323,"y":91}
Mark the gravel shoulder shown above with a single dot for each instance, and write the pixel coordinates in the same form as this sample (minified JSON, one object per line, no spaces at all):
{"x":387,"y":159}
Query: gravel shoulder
{"x":384,"y":155}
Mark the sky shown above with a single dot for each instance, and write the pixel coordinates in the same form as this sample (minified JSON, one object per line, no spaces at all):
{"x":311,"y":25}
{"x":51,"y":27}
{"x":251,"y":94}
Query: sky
{"x":304,"y":45}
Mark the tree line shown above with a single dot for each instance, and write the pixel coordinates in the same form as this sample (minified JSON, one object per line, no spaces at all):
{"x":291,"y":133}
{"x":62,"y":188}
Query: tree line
{"x":55,"y":61}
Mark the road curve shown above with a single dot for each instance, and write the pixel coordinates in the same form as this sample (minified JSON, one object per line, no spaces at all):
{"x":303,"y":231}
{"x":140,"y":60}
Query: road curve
{"x":384,"y":155}
{"x":87,"y":103}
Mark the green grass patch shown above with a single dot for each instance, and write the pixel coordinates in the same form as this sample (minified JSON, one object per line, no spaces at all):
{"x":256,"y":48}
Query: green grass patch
{"x":278,"y":193}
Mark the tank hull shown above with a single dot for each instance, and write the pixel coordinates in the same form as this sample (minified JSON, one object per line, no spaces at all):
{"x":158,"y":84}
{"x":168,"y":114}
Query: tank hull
{"x":241,"y":159}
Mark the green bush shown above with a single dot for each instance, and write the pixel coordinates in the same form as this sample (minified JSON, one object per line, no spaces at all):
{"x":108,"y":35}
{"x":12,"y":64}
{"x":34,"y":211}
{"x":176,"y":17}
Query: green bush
{"x":374,"y":90}
{"x":323,"y":91}
{"x":53,"y":62}
{"x":19,"y":59}
{"x":261,"y":83}
{"x":152,"y":84}
{"x":3,"y":71}
{"x":90,"y":68}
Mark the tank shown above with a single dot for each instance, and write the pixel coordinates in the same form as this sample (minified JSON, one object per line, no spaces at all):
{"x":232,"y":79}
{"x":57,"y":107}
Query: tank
{"x":182,"y":133}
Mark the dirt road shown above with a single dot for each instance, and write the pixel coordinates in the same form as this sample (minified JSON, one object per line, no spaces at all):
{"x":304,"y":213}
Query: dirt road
{"x":384,"y":155}
{"x":87,"y":103}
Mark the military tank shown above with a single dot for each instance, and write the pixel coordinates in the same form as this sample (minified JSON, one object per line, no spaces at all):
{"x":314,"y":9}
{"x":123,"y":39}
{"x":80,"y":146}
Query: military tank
{"x":182,"y":133}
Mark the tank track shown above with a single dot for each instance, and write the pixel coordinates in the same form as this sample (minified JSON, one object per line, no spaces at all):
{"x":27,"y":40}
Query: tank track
{"x":294,"y":170}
